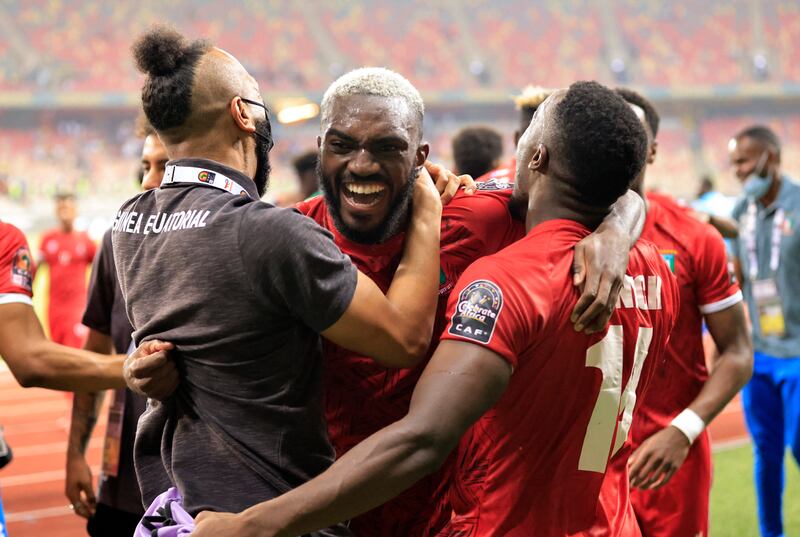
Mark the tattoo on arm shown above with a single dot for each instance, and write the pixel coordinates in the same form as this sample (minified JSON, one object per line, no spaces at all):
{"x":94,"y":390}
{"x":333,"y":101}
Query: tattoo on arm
{"x":85,"y":410}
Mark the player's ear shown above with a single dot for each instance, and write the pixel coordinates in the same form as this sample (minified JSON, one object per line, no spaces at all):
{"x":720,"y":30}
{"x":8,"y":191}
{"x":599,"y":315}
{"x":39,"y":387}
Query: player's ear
{"x":241,"y":115}
{"x":651,"y":154}
{"x":422,"y":153}
{"x":319,"y":141}
{"x":539,"y":159}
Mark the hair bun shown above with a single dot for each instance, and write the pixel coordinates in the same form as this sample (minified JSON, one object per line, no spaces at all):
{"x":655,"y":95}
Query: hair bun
{"x":160,"y":51}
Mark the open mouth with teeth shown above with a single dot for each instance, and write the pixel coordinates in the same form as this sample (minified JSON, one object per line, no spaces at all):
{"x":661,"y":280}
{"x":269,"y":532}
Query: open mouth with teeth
{"x":363,"y":195}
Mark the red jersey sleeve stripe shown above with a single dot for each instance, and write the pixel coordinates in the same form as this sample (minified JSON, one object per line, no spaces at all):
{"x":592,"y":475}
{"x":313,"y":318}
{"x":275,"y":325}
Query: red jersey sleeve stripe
{"x":723,"y":304}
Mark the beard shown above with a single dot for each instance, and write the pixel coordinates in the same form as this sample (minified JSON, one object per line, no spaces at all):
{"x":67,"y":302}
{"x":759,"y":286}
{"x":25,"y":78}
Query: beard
{"x":263,"y":167}
{"x":391,"y":225}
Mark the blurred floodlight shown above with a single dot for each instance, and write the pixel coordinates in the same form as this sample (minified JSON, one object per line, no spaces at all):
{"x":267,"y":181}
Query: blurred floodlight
{"x":298,"y":112}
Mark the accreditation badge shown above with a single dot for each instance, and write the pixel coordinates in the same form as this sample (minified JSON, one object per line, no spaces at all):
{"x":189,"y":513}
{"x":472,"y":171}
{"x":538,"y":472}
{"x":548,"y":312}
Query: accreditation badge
{"x":769,"y":307}
{"x":113,"y":442}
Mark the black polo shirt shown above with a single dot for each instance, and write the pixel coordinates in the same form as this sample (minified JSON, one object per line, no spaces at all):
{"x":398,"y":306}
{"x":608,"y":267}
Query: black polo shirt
{"x":105,"y":313}
{"x":242,"y":288}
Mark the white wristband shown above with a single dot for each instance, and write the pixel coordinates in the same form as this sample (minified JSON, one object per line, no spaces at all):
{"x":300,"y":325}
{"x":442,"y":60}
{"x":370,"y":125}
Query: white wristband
{"x":689,"y":423}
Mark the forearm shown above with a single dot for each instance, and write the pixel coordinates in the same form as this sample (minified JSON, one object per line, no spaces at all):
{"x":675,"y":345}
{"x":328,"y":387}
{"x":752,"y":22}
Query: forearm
{"x":731,"y":372}
{"x":414,"y":289}
{"x":58,"y":367}
{"x":627,"y":214}
{"x":85,"y":411}
{"x":727,"y":227}
{"x":370,"y":474}
{"x":86,"y":406}
{"x":734,"y":366}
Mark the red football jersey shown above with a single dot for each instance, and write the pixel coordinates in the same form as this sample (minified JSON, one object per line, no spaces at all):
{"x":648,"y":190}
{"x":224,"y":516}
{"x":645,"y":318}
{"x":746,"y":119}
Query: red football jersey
{"x":363,"y":397}
{"x":16,"y":266}
{"x":68,"y":256}
{"x":534,"y":464}
{"x":695,"y":252}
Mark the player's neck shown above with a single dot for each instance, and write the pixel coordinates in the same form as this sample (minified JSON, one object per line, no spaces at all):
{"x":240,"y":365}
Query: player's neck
{"x":227,"y":156}
{"x":67,"y":227}
{"x":554,"y":203}
{"x":772,"y":194}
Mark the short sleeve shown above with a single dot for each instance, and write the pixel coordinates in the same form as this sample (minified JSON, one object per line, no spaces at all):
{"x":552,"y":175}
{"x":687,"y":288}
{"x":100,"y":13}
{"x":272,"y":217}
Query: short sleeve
{"x":100,"y":303}
{"x":486,"y":309}
{"x":716,"y":286}
{"x":17,"y":267}
{"x":293,"y":262}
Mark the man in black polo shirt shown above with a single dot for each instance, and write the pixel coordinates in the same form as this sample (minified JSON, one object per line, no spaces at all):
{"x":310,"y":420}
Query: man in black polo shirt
{"x":243,"y":290}
{"x":118,"y":509}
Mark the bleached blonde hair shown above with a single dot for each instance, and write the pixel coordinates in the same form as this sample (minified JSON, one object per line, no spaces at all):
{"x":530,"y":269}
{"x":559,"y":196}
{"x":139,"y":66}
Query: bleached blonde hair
{"x":373,"y":81}
{"x":532,"y":96}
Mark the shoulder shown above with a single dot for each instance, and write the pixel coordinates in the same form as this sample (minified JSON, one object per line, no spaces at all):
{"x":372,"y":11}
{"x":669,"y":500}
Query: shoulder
{"x":646,"y":259}
{"x":106,"y":242}
{"x":739,"y":207}
{"x":268,"y":227}
{"x":11,"y":236}
{"x":793,"y":192}
{"x":484,"y":205}
{"x":314,"y":207}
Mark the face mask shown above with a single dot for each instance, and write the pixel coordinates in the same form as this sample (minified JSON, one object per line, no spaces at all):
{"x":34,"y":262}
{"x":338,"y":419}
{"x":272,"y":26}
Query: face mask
{"x":755,"y":187}
{"x":263,"y":145}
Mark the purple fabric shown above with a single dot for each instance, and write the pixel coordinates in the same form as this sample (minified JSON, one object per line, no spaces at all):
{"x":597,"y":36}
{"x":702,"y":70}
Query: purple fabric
{"x":166,"y":517}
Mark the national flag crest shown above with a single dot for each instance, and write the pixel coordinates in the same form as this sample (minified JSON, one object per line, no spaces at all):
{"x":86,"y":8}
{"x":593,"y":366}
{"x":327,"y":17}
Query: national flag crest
{"x":669,"y":259}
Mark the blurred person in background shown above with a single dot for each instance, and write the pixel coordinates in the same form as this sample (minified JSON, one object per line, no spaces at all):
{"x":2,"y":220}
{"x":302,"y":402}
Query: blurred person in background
{"x":767,"y":257}
{"x":477,"y":150}
{"x":526,"y":103}
{"x":68,"y":254}
{"x":117,"y":508}
{"x":670,"y":468}
{"x":305,"y":165}
{"x":715,"y":208}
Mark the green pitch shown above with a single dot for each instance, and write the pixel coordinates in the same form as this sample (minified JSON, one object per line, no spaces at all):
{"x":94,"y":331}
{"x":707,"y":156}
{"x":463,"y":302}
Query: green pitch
{"x":733,"y":497}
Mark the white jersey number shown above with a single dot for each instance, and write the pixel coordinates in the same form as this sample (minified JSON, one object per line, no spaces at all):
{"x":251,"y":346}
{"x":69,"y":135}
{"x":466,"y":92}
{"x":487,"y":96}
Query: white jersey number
{"x":606,"y":355}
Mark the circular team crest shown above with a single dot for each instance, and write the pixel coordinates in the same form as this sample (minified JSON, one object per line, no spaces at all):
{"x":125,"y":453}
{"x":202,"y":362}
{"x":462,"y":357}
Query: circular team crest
{"x":476,"y":314}
{"x":206,"y":177}
{"x":22,"y":269}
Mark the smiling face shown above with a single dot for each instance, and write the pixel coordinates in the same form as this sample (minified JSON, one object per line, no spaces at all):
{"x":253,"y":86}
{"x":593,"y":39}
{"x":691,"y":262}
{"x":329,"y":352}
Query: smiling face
{"x":370,"y":151}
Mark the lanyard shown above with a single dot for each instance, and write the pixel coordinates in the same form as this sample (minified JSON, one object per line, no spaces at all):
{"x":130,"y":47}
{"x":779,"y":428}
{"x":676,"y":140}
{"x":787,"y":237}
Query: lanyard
{"x":188,"y":174}
{"x":750,"y":240}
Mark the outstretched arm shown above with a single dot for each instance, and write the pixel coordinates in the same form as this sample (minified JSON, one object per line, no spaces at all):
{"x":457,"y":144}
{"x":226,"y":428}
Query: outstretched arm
{"x":460,"y":383}
{"x":34,"y":360}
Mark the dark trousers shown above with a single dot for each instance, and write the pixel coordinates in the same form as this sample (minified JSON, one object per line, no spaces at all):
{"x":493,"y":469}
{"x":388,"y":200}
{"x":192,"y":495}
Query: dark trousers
{"x":110,"y":522}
